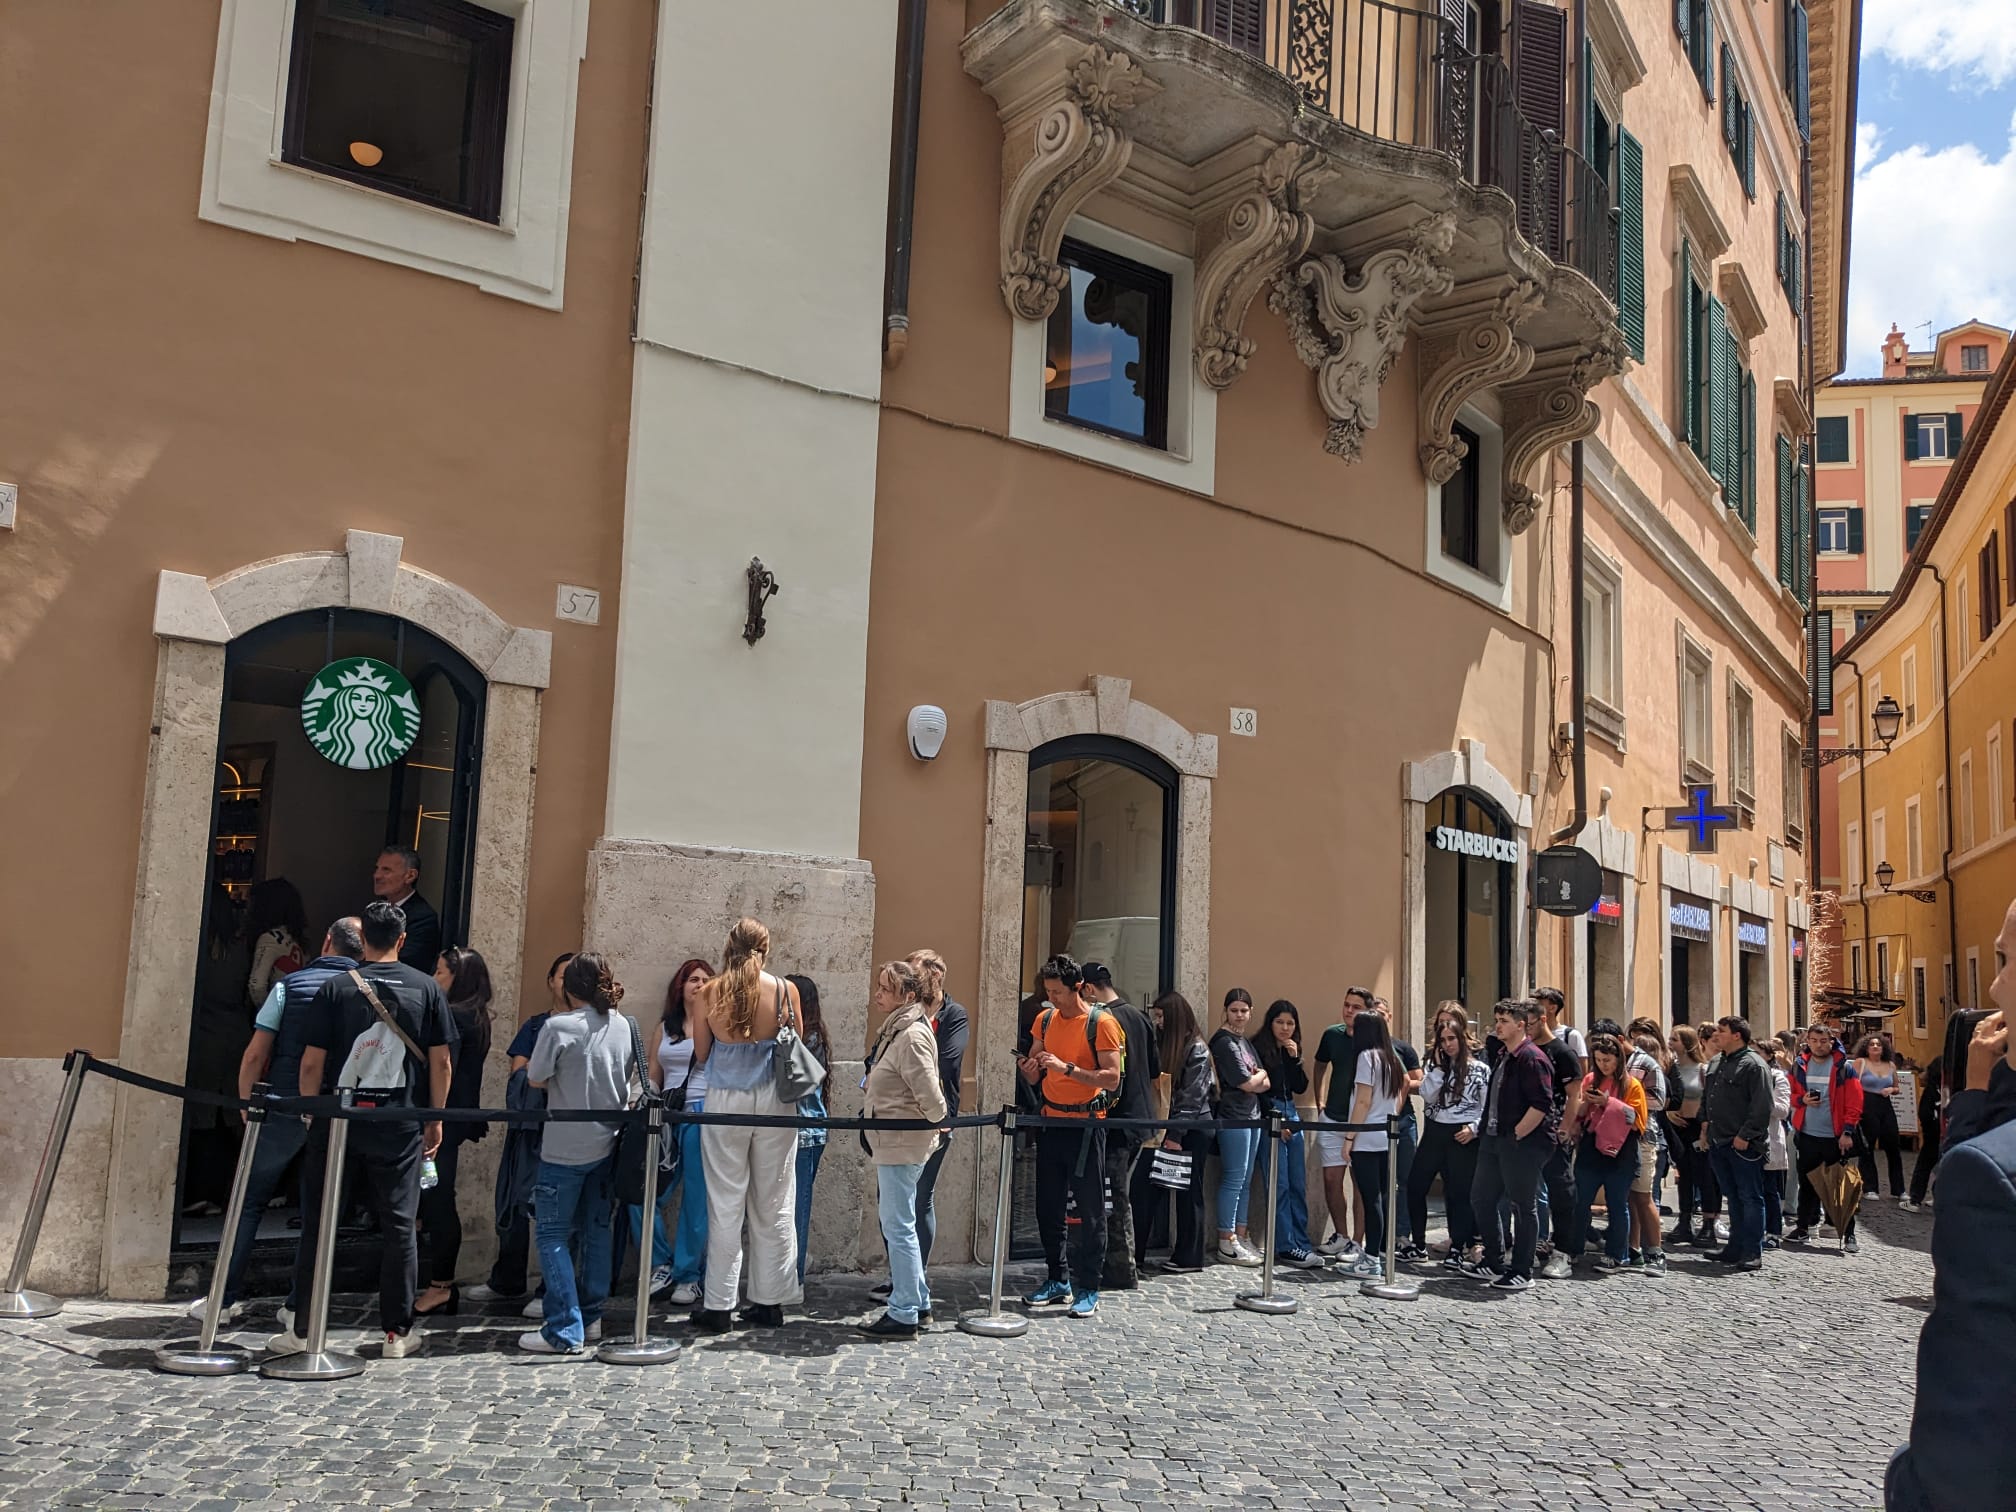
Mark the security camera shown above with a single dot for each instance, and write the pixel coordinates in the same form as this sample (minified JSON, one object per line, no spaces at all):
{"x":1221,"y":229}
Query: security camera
{"x":927,"y":731}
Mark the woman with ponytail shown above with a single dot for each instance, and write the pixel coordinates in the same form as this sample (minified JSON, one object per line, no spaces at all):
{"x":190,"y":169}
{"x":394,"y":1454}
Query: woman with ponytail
{"x":583,"y":1060}
{"x":751,"y":1172}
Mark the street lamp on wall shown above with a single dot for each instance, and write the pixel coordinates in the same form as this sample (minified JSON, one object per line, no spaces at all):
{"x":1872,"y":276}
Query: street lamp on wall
{"x":1886,"y":874}
{"x":1886,"y":719}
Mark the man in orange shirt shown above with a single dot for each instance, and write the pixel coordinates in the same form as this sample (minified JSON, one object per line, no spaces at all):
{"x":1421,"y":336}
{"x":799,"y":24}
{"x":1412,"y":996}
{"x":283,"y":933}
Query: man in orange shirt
{"x":1075,"y":1061}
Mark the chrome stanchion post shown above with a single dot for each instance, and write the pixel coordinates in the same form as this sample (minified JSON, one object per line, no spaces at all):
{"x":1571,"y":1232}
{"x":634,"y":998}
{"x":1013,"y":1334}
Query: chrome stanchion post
{"x":1264,"y":1300}
{"x":640,"y":1348}
{"x":993,"y":1323}
{"x":1391,"y":1287}
{"x":319,"y":1363}
{"x":206,"y":1359}
{"x":15,"y":1300}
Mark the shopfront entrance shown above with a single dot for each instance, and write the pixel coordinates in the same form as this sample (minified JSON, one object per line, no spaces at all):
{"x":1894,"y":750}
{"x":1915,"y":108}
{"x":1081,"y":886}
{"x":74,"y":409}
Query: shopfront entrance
{"x":1604,"y":986}
{"x":1470,"y":878}
{"x":1753,"y":973}
{"x":305,"y":799}
{"x":1691,"y":958}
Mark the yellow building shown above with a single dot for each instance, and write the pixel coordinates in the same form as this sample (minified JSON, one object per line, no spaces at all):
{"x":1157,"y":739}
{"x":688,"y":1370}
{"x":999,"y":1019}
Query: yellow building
{"x":1931,"y":812}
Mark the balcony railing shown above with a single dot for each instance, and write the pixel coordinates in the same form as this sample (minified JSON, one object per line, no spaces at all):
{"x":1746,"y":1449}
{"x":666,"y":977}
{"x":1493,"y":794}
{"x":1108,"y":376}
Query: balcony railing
{"x":1403,"y":75}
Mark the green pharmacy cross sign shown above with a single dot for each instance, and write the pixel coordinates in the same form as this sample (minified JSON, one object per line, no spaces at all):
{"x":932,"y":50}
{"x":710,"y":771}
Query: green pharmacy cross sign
{"x":360,"y":713}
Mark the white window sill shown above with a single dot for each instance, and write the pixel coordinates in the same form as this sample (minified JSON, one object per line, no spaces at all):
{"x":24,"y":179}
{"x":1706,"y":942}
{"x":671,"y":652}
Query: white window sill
{"x":1604,"y":722}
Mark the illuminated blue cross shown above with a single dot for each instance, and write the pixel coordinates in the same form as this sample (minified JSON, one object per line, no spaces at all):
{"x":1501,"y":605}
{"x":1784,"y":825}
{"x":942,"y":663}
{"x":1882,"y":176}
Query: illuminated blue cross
{"x":1701,"y":818}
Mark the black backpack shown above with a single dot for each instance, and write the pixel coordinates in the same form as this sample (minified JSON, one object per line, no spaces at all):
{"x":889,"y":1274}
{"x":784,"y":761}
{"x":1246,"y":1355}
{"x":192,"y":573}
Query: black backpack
{"x":1105,"y":1097}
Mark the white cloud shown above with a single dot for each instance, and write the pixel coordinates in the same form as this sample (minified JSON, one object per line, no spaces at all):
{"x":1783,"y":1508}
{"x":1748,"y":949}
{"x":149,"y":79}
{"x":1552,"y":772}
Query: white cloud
{"x":1931,"y":241}
{"x":1972,"y":38}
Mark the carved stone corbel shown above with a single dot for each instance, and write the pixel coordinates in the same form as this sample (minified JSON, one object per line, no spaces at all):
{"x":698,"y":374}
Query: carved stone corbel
{"x":1262,"y":233}
{"x":1078,"y":150}
{"x":1465,"y":348}
{"x":1350,"y":330}
{"x":1549,"y":409}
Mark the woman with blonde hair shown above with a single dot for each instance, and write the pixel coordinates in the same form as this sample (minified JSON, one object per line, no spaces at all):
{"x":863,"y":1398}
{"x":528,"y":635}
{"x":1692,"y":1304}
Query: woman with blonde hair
{"x":751,"y":1172}
{"x":903,"y":1083}
{"x":1684,"y":1103}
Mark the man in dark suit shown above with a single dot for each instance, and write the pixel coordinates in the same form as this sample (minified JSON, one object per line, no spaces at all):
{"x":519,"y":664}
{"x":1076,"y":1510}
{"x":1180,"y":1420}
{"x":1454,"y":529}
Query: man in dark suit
{"x":1961,"y":1455}
{"x":396,"y":880}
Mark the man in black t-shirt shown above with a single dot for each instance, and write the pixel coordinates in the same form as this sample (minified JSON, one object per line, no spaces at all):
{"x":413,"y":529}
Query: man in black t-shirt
{"x":1142,"y":1064}
{"x":388,"y":1154}
{"x":1557,"y":1177}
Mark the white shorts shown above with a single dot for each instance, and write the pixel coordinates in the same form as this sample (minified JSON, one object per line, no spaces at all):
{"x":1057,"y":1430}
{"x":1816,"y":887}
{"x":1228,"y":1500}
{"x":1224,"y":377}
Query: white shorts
{"x":1330,"y":1149}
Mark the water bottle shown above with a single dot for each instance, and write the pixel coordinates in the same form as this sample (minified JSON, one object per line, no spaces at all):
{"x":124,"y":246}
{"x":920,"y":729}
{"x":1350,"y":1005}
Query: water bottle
{"x":429,"y":1176}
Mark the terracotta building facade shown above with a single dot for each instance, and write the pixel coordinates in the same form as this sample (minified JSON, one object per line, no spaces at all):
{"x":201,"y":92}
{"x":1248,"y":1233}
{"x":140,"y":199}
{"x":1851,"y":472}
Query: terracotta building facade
{"x":1176,"y":404}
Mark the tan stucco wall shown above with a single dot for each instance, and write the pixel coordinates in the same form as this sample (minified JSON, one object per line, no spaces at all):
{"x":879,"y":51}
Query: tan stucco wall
{"x":189,"y":397}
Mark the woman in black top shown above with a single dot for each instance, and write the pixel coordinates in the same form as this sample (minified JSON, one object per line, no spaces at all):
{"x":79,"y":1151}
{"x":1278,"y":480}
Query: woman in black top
{"x":1183,"y":1051}
{"x":1279,"y":1048}
{"x":1240,"y":1083}
{"x":465,"y":979}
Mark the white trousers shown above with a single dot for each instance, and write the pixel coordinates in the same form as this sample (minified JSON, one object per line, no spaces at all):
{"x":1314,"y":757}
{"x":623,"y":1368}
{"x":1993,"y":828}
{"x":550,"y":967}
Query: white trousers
{"x":752,"y":1177}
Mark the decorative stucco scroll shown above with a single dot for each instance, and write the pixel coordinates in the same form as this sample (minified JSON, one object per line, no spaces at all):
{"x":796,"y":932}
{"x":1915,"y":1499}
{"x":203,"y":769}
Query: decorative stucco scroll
{"x":1551,"y":408}
{"x":1263,"y":231}
{"x":1350,"y":330}
{"x":1079,"y":149}
{"x":1465,"y":348}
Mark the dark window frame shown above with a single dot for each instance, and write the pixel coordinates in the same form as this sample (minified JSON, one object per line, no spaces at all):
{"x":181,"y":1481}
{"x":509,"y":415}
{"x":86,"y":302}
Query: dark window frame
{"x":1967,"y":353}
{"x":1470,"y":475}
{"x":1155,"y":344}
{"x":493,"y":33}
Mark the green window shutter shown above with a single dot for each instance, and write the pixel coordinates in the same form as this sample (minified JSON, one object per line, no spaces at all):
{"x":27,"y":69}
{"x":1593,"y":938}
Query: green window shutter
{"x":1705,"y":57}
{"x":1953,"y":434}
{"x":1631,"y":241}
{"x":1717,"y":361}
{"x":1690,"y":389}
{"x":1802,"y":466}
{"x":1749,"y":151}
{"x":1589,"y":100}
{"x":1798,"y":266}
{"x":1681,"y":26}
{"x":1746,"y":472}
{"x":1910,"y":437}
{"x":1781,"y":239}
{"x":1799,"y":71}
{"x":1730,"y":124}
{"x":1786,"y":505}
{"x":1855,"y":532}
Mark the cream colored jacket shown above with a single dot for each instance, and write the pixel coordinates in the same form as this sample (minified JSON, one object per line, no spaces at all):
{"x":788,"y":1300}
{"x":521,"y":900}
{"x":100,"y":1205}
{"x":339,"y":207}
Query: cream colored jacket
{"x":903,"y":1083}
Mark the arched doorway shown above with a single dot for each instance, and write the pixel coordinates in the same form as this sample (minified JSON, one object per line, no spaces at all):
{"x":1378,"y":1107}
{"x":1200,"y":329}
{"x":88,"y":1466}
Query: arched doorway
{"x":1470,"y":878}
{"x":289,"y":821}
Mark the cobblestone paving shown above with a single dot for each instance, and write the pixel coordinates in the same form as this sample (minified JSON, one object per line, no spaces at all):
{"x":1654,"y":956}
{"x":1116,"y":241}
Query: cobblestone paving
{"x":1171,"y":1398}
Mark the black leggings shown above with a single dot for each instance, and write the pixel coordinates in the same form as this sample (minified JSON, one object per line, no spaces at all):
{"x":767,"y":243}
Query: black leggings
{"x":1694,"y":1176}
{"x":1441,"y":1155}
{"x":1928,"y":1151}
{"x":1879,"y":1129}
{"x":440,"y":1223}
{"x":1368,"y":1169}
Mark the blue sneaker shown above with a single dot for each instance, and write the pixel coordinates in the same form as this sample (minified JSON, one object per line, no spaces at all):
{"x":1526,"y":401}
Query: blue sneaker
{"x":1049,"y":1294}
{"x":1083,"y":1305}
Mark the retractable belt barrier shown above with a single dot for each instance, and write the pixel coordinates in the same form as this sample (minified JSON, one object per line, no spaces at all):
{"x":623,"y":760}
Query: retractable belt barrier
{"x":317,"y":1362}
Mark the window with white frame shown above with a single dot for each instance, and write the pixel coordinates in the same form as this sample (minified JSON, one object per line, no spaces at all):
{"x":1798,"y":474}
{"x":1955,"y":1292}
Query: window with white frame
{"x":1965,"y":777}
{"x":1918,"y":1013}
{"x":1882,"y":982}
{"x":1960,"y":620}
{"x":1697,"y":718}
{"x":1468,"y":546}
{"x":1833,"y":532}
{"x":1939,"y":818}
{"x":1742,"y":744}
{"x":1851,"y":721}
{"x":1851,"y":855}
{"x":1879,"y":840}
{"x":1875,"y":703}
{"x":1994,"y":759}
{"x":1603,"y":642}
{"x":1938,"y":665}
{"x":1933,"y":440}
{"x":1910,"y":669}
{"x":1950,"y":998}
{"x":1794,"y":773}
{"x":1855,"y":964}
{"x":1914,"y":841}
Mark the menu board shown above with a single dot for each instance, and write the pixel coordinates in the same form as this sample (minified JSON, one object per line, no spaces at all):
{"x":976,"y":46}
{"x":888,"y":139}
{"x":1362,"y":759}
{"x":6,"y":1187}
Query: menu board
{"x":1904,"y":1098}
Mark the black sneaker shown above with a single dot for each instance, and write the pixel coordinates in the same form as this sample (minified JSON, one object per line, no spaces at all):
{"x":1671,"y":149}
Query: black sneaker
{"x":1800,"y":1235}
{"x":1477,"y":1270}
{"x":711,"y":1322}
{"x":1511,"y":1281}
{"x":1849,"y":1246}
{"x":1754,"y":1263}
{"x":880,"y":1291}
{"x":886,"y":1327}
{"x":763,"y":1315}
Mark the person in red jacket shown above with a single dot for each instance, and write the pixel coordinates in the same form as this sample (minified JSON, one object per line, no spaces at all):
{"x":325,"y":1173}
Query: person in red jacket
{"x":1826,"y":1120}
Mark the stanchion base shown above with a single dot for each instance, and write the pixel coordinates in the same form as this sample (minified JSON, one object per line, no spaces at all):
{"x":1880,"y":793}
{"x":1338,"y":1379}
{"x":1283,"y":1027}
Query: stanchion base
{"x":646,"y":1351}
{"x":1260,"y":1302}
{"x":329,"y":1365}
{"x":28,"y":1304}
{"x":1391,"y":1291}
{"x":994,"y":1325}
{"x":202,"y":1362}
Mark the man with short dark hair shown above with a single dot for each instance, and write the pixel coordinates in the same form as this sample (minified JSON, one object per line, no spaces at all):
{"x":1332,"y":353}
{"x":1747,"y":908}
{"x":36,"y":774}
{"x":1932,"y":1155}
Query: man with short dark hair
{"x":1735,"y":1127}
{"x":1559,"y":1202}
{"x":396,"y":880}
{"x":1141,"y":1063}
{"x":384,"y":1030}
{"x":1074,"y":1062}
{"x":1516,"y":1135}
{"x":1336,"y":1068}
{"x":279,"y":1034}
{"x":1826,"y":1120}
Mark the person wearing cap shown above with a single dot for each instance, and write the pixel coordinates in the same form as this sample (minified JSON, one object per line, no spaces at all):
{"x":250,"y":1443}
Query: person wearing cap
{"x":1826,"y":1117}
{"x":1140,"y":1065}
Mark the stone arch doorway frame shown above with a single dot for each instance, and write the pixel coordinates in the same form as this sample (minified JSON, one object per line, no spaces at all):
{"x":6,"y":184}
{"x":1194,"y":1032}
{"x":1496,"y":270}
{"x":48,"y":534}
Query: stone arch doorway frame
{"x":1105,"y":706}
{"x":194,"y":620}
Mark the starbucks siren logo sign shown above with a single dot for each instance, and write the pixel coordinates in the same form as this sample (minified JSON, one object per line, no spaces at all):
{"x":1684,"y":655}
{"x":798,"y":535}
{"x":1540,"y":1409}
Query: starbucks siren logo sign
{"x":360,"y":713}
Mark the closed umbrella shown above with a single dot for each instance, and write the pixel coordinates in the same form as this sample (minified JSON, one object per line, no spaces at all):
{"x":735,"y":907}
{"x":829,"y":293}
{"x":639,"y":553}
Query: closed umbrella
{"x":1840,"y":1188}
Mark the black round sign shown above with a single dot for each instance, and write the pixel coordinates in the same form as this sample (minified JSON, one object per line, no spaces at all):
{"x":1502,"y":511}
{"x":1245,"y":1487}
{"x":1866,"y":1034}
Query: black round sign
{"x":1567,"y":880}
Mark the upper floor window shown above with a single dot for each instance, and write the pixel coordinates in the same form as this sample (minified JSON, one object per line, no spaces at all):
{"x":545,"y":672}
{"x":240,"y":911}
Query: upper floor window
{"x":1915,"y":516}
{"x":1603,"y":645}
{"x":1106,"y":361}
{"x":1833,"y":438}
{"x":1974,"y":359}
{"x":1840,"y":531}
{"x":1462,"y":523}
{"x":1697,"y":731}
{"x":1694,"y":20}
{"x":1931,"y":437}
{"x":406,"y":96}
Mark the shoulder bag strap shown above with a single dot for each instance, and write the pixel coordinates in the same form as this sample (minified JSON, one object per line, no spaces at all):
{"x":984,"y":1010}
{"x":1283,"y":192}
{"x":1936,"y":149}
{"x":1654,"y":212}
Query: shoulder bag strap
{"x":390,"y":1022}
{"x":637,"y":1059}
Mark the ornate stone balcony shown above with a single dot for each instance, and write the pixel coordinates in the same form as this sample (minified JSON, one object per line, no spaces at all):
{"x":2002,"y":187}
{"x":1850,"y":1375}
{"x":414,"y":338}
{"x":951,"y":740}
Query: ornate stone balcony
{"x":1349,"y":157}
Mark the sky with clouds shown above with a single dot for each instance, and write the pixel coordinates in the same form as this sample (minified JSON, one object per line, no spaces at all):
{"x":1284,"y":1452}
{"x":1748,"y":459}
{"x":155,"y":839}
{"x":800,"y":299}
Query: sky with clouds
{"x":1935,"y":172}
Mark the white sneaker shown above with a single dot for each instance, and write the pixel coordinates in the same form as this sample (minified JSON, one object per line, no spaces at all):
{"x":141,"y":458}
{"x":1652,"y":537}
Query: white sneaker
{"x":1335,"y":1247}
{"x":483,"y":1291}
{"x":1236,"y":1253}
{"x":1906,"y":1205}
{"x":287,"y":1343}
{"x":228,"y":1314}
{"x":536,"y":1342}
{"x":536,"y":1308}
{"x":685,"y":1294}
{"x":594,"y":1332}
{"x":1253,"y":1256}
{"x":1365,"y":1268}
{"x":660,"y":1279}
{"x":411,"y":1342}
{"x":284,"y":1316}
{"x":1557,"y":1268}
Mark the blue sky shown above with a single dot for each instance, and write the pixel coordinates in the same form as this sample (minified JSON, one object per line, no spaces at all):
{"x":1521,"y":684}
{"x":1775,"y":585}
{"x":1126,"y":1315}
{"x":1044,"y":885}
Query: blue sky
{"x":1935,"y":175}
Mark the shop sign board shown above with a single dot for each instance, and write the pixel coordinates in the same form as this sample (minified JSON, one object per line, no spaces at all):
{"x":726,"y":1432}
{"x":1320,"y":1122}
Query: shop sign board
{"x":360,"y":713}
{"x":1567,"y":880}
{"x":1470,"y":843}
{"x":1689,"y":920}
{"x":1753,"y":935}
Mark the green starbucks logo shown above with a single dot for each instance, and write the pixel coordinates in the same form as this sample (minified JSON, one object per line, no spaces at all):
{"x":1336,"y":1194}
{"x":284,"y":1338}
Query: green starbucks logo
{"x":360,"y":713}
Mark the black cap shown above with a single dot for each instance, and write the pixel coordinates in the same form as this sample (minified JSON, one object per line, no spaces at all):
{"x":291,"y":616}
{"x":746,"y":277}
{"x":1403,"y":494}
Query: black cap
{"x":1095,"y":974}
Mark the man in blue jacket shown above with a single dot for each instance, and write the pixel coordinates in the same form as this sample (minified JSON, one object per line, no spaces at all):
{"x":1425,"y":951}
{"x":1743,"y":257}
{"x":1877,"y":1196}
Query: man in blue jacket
{"x":1962,"y":1455}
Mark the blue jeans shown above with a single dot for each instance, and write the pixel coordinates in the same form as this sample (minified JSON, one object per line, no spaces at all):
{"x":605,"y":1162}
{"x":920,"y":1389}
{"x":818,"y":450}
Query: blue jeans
{"x":1613,"y":1174}
{"x":909,"y":1292}
{"x":1740,"y":1174}
{"x":679,"y":1231}
{"x":570,"y":1204}
{"x":1291,"y":1204}
{"x":280,"y":1140}
{"x":1236,"y":1148}
{"x":1410,"y":1140}
{"x":809,"y":1157}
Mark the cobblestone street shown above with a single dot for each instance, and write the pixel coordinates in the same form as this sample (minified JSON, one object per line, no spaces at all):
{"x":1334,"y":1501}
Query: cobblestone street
{"x":1172,"y":1398}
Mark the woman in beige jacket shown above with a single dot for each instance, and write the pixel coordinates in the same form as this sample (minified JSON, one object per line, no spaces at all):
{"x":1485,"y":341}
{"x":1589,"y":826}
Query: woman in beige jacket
{"x":902,"y":1083}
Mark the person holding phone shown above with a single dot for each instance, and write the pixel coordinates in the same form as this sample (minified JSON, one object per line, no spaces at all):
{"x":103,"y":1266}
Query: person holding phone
{"x":1609,"y":1093}
{"x":1452,"y":1093}
{"x":1826,"y":1118}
